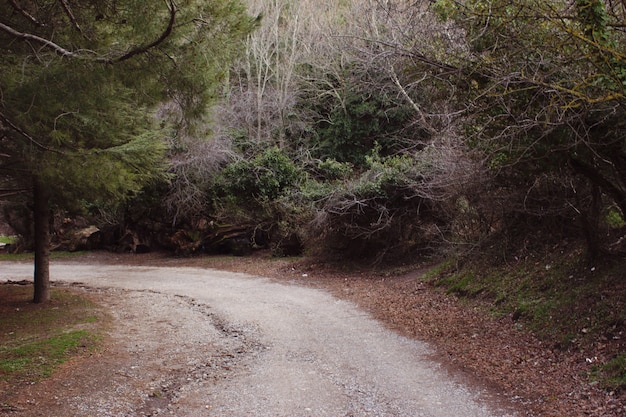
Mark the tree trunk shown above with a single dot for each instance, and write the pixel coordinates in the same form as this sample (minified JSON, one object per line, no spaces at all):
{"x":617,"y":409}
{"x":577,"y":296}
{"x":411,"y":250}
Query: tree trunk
{"x":595,"y":176}
{"x":41,"y":216}
{"x":590,"y":219}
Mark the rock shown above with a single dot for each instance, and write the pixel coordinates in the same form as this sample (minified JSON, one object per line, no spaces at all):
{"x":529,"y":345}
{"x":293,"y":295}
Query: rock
{"x":84,"y":239}
{"x":130,"y":242}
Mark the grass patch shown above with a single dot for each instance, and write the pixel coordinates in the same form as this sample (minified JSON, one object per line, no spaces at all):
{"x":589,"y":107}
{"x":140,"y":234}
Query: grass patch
{"x":7,"y":239}
{"x":26,"y":256}
{"x":613,"y":374}
{"x":40,"y":357}
{"x":35,"y":339}
{"x":444,"y":268}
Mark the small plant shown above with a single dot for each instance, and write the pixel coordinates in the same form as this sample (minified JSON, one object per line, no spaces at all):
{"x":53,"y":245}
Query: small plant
{"x":8,"y":240}
{"x":612,"y":375}
{"x":614,"y":219}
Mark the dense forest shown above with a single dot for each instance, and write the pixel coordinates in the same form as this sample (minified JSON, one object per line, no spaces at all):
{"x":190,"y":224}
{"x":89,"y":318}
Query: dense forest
{"x":375,"y":129}
{"x":488,"y":133}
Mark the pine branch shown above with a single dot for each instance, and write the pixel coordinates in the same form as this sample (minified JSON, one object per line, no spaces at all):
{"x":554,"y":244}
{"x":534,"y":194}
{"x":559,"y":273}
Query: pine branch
{"x":164,"y":35}
{"x":69,"y":13}
{"x":21,"y":132}
{"x":69,"y":54}
{"x":24,"y":13}
{"x":29,"y":37}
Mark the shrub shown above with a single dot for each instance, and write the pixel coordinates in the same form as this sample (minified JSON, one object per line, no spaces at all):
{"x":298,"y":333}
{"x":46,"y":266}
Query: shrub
{"x":256,"y":195}
{"x":264,"y":177}
{"x":382,"y":212}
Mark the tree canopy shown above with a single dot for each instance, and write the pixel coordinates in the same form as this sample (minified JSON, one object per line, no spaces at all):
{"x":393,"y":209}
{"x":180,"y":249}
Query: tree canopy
{"x":396,"y":126}
{"x":544,"y":93}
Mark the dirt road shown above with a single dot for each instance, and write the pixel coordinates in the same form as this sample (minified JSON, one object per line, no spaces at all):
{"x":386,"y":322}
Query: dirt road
{"x":198,"y":342}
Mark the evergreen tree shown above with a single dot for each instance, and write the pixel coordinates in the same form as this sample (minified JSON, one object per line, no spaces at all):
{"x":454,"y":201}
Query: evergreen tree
{"x":80,"y":86}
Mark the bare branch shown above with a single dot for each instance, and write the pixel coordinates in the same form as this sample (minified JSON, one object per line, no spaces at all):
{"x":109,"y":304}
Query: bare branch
{"x":25,"y":13}
{"x":10,"y":193}
{"x":69,"y":13}
{"x":29,"y":37}
{"x":406,"y":95}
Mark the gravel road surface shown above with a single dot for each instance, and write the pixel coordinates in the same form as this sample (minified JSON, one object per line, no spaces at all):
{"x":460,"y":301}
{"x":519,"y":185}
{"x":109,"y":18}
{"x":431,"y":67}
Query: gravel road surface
{"x":201,"y":342}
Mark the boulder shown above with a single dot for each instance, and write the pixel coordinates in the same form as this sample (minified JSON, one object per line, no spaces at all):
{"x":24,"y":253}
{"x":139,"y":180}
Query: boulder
{"x":88,"y":238}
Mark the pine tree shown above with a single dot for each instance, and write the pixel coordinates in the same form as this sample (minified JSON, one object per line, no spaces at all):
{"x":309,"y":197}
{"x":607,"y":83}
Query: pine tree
{"x":80,"y":86}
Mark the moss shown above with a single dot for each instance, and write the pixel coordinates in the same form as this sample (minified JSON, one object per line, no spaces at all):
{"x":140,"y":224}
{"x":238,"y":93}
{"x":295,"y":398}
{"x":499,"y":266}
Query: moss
{"x":556,"y":296}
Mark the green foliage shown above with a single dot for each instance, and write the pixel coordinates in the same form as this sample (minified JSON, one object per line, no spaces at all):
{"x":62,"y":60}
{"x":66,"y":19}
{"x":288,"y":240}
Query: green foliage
{"x":315,"y":191}
{"x":350,"y":125}
{"x":444,"y":9}
{"x":614,"y":219}
{"x":593,"y":18}
{"x":262,"y":196}
{"x":331,"y":169}
{"x":80,"y":114}
{"x":263,"y":178}
{"x":387,"y":210}
{"x":389,"y":177}
{"x":544,"y":83}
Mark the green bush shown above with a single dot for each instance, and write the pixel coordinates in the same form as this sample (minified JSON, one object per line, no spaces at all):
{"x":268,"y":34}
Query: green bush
{"x":386,"y":211}
{"x":331,"y":169}
{"x":264,"y":177}
{"x":260,"y":198}
{"x":351,"y":123}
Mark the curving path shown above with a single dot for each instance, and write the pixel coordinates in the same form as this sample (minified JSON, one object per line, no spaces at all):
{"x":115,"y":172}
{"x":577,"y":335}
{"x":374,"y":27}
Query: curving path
{"x":302,"y":352}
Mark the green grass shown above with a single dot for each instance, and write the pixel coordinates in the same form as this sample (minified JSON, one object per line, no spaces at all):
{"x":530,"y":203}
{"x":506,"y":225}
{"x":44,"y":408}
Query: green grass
{"x":615,"y":372}
{"x":30,"y":256}
{"x":612,"y":375}
{"x":7,"y":239}
{"x":39,"y":358}
{"x":35,"y":339}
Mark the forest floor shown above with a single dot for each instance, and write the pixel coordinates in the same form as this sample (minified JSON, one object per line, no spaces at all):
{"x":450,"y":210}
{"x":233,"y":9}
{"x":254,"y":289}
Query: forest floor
{"x":496,"y":352}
